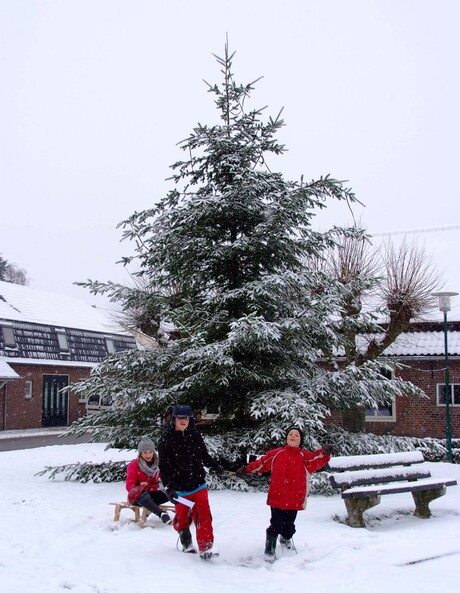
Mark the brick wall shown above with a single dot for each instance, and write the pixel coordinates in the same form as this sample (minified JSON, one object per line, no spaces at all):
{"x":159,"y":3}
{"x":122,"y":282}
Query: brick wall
{"x":422,"y":417}
{"x":22,"y":413}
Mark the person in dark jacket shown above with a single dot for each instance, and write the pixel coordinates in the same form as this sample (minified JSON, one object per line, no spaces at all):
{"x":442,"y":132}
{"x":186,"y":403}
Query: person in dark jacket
{"x":143,"y":481}
{"x":290,"y":468}
{"x":183,"y":455}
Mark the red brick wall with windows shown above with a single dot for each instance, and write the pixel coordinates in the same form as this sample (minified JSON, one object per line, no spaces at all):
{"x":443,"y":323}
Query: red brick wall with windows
{"x":18,"y":412}
{"x":418,"y":417}
{"x":422,"y":417}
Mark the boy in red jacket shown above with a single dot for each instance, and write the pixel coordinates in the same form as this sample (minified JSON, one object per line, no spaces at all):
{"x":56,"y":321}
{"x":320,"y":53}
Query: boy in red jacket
{"x":290,"y":468}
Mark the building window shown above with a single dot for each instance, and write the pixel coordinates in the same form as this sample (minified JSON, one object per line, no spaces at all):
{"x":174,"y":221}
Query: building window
{"x":62,"y":341}
{"x":28,"y":389}
{"x":454,"y":394}
{"x":9,"y":339}
{"x":81,"y":396}
{"x":110,"y":345}
{"x":383,"y":412}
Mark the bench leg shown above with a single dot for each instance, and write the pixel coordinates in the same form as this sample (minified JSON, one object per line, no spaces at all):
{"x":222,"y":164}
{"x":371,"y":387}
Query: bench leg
{"x":422,"y":499}
{"x":356,"y":508}
{"x":116,"y":515}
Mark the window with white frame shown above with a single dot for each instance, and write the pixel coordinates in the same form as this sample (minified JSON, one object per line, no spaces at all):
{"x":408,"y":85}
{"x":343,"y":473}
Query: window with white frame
{"x":383,"y":412}
{"x":454,"y":389}
{"x":28,"y":389}
{"x":81,"y":395}
{"x":110,"y":345}
{"x":9,"y":339}
{"x":62,"y":341}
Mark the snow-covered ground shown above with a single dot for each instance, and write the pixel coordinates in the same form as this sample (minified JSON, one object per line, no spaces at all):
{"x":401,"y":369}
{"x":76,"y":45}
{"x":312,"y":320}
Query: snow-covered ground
{"x":59,"y":536}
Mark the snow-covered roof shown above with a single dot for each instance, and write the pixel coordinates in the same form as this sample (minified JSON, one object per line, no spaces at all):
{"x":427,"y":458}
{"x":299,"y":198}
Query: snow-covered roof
{"x":47,"y":361}
{"x":22,"y":303}
{"x":422,"y":343}
{"x":6,"y":372}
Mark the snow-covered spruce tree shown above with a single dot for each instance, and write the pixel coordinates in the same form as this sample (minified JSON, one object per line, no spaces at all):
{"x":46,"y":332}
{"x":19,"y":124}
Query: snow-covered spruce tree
{"x":222,"y":259}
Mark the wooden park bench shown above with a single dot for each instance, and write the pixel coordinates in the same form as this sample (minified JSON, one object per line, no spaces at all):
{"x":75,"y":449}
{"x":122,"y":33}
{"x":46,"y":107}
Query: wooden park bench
{"x":140,"y":513}
{"x":363,"y":479}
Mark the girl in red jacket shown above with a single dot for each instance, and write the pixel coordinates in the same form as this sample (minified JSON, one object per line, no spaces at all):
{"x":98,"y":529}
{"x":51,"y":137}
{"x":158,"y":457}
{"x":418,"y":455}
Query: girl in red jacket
{"x":143,"y":481}
{"x":290,"y":468}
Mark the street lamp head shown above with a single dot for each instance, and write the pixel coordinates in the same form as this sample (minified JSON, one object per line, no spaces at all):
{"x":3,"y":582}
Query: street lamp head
{"x":444,"y":300}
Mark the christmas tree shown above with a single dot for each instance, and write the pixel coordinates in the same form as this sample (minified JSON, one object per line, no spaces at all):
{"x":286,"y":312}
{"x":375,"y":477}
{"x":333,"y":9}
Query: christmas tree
{"x":245,"y":323}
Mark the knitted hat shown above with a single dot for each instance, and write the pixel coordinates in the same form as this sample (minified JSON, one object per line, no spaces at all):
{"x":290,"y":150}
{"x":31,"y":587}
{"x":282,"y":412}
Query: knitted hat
{"x":182,"y":412}
{"x":299,"y":430}
{"x":145,"y":444}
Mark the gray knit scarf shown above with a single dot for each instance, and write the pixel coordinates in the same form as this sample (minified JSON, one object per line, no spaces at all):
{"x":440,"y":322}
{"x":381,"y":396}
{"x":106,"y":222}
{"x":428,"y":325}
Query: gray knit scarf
{"x":151,"y":469}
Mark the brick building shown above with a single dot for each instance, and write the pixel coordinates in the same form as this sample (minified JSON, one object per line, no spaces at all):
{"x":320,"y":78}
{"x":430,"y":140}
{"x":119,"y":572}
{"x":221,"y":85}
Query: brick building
{"x":422,"y":350}
{"x":47,"y":342}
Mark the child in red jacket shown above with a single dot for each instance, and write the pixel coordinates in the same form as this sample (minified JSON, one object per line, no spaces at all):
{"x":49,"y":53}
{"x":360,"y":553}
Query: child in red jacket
{"x":290,"y":468}
{"x":143,"y":481}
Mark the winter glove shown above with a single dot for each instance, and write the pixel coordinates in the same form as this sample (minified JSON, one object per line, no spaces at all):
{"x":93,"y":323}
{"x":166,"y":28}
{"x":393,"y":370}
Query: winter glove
{"x":241,"y":472}
{"x":218,"y":470}
{"x":171,"y":494}
{"x":328,"y":448}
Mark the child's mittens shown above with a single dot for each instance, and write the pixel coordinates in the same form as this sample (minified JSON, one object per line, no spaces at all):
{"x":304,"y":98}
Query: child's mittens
{"x":328,"y":448}
{"x":241,"y":472}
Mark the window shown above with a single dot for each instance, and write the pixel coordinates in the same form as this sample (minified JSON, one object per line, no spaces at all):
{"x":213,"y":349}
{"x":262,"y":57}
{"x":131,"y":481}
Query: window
{"x":62,"y":341}
{"x":454,"y":394}
{"x":81,"y":396}
{"x":9,"y":338}
{"x":28,"y":389}
{"x":110,"y":345}
{"x":383,"y":412}
{"x":98,"y":403}
{"x":106,"y":401}
{"x":93,"y":400}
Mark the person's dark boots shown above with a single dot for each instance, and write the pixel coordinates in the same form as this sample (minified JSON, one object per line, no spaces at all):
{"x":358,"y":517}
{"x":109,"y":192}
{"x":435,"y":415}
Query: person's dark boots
{"x":270,"y":548}
{"x":186,"y":541}
{"x":165,"y":518}
{"x":286,"y":543}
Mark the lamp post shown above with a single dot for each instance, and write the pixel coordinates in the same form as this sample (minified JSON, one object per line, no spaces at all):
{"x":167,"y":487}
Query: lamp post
{"x":444,"y":306}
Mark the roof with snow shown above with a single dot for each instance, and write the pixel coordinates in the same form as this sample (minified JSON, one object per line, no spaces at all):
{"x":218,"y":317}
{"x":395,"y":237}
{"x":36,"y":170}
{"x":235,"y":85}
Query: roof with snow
{"x":424,"y":339}
{"x":43,"y":327}
{"x":6,"y":372}
{"x":22,"y":303}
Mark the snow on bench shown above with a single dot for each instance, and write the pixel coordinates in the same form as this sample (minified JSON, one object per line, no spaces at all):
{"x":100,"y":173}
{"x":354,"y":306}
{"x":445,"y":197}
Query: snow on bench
{"x":377,"y":460}
{"x":363,"y":479}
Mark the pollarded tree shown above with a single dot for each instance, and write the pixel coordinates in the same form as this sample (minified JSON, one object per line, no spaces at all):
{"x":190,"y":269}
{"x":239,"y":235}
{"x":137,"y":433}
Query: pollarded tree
{"x":221,"y":257}
{"x":384,"y":290}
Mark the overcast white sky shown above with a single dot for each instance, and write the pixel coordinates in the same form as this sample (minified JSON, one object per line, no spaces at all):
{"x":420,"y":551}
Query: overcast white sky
{"x":95,"y":95}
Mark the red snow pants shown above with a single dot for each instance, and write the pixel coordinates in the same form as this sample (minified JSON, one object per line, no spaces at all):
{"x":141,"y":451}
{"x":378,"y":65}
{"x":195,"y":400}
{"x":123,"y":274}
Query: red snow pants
{"x":200,"y":514}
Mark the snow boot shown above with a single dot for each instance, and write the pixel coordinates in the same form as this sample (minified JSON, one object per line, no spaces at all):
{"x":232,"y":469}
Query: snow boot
{"x":166,"y":519}
{"x":186,"y":541}
{"x":287,"y":545}
{"x":209,"y":552}
{"x":270,"y":548}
